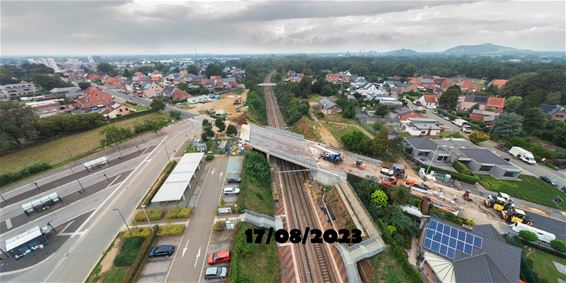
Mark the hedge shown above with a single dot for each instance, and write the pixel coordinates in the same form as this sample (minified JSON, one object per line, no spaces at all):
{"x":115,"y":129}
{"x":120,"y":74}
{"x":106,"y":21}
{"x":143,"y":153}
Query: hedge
{"x":462,"y":168}
{"x":528,"y":236}
{"x":152,"y":214}
{"x":470,"y":179}
{"x":451,"y":217}
{"x":401,"y":256}
{"x":24,"y":172}
{"x":178,"y":213}
{"x":543,"y":247}
{"x":142,"y":256}
{"x":558,"y":245}
{"x":219,"y":225}
{"x":155,"y":187}
{"x":171,"y":230}
{"x":128,"y":251}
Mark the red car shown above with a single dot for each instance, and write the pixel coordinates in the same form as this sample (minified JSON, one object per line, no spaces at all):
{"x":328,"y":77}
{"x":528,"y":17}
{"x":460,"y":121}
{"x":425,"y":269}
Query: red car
{"x":219,"y":257}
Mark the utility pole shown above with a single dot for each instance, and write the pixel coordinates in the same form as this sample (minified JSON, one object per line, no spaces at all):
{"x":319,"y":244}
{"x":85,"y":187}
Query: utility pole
{"x":144,"y":212}
{"x":123,"y":219}
{"x":76,"y":178}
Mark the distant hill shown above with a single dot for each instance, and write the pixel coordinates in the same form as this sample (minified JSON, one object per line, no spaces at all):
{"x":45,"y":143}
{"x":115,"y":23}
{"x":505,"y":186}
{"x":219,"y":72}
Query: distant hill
{"x":484,"y":49}
{"x":402,"y":52}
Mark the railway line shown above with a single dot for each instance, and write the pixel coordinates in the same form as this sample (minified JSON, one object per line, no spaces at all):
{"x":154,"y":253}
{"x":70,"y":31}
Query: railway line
{"x":314,"y":259}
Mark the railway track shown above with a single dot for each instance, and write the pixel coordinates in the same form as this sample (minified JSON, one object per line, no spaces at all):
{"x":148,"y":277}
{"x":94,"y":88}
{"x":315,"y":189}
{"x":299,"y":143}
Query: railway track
{"x":315,"y":262}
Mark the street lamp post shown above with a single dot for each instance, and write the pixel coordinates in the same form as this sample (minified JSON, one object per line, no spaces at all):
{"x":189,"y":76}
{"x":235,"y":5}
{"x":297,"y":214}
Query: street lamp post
{"x":36,"y":186}
{"x":108,"y":181}
{"x":166,"y":150}
{"x":76,"y":178}
{"x":123,"y":219}
{"x":144,"y":212}
{"x":119,"y":151}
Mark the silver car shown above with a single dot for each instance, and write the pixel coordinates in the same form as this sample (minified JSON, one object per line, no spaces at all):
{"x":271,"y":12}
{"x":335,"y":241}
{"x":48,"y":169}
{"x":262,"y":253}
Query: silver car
{"x":216,"y":273}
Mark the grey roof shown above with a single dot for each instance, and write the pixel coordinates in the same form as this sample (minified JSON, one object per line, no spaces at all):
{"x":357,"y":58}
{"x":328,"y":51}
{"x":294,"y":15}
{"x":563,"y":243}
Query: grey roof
{"x":422,"y":143}
{"x":476,"y":99}
{"x":168,"y":90}
{"x":484,"y":156}
{"x":496,"y":261}
{"x":65,"y":89}
{"x":551,"y":109}
{"x":403,"y":110}
{"x":327,"y":104}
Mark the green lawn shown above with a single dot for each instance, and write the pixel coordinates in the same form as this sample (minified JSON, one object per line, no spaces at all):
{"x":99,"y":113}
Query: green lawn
{"x":255,"y":197}
{"x":528,"y":188}
{"x":115,"y":274}
{"x":55,"y":151}
{"x":385,"y":269}
{"x":137,"y":107}
{"x":255,"y":262}
{"x":542,"y":265}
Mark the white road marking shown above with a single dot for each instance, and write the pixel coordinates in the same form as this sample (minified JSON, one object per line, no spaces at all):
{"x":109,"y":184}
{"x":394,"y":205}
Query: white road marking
{"x":9,"y":223}
{"x":221,"y":172}
{"x":196,"y":260}
{"x":66,"y":226}
{"x":185,"y":248}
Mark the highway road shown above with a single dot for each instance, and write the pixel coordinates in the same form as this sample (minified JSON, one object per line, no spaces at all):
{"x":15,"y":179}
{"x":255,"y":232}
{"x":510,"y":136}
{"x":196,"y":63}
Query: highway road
{"x":192,"y":250}
{"x":535,"y":170}
{"x":78,"y":255}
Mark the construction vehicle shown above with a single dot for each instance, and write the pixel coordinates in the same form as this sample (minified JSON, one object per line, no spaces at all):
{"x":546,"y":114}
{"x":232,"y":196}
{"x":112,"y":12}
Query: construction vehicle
{"x":392,"y":182}
{"x":515,"y":215}
{"x":359,"y":164}
{"x":467,"y":196}
{"x":238,"y":100}
{"x":332,"y":157}
{"x":499,"y":202}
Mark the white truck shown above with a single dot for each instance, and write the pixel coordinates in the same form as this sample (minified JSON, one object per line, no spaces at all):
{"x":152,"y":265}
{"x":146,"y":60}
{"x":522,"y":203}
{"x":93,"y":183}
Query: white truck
{"x":523,"y":154}
{"x":542,"y":235}
{"x":460,"y":122}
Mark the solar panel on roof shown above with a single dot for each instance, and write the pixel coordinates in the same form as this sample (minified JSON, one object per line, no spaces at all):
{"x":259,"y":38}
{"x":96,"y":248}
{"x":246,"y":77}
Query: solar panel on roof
{"x":478,"y":242}
{"x":445,"y":240}
{"x":468,"y":249}
{"x":469,"y":239}
{"x":427,"y":243}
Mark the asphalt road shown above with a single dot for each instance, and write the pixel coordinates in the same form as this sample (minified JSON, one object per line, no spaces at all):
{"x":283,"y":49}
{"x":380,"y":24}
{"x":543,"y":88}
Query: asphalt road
{"x":535,"y":170}
{"x":79,"y":254}
{"x":144,"y":101}
{"x":192,"y":250}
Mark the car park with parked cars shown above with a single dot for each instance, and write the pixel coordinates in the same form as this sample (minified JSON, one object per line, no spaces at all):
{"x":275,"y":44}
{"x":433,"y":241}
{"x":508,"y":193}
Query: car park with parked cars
{"x":161,"y":251}
{"x":216,"y":272}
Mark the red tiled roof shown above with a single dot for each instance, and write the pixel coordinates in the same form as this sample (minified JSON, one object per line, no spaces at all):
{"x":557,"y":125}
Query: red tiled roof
{"x":138,"y":74}
{"x":493,"y":101}
{"x":179,"y":94}
{"x":93,"y":96}
{"x":155,"y":78}
{"x":498,"y":83}
{"x":430,"y":98}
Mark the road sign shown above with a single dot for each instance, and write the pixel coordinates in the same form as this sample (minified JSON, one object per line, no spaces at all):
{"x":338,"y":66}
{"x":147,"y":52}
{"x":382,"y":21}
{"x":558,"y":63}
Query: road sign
{"x":557,"y":200}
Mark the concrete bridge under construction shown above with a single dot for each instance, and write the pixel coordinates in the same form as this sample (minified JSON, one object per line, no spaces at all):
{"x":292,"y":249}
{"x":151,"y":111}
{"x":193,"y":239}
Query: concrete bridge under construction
{"x":296,"y":149}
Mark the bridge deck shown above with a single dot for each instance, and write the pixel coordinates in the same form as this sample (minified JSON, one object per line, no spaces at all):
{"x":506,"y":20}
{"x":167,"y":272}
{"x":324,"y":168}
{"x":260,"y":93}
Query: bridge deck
{"x":296,"y":149}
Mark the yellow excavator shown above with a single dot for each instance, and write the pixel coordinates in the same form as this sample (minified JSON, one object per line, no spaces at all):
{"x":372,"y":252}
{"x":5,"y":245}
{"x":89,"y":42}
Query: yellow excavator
{"x":515,"y":215}
{"x":499,"y":202}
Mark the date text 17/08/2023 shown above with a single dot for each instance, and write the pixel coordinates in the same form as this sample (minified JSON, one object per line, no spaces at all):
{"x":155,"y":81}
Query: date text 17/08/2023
{"x":295,"y":236}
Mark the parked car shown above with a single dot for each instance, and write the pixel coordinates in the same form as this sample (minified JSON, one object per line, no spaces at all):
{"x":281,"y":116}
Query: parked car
{"x":466,"y":129}
{"x":231,"y":191}
{"x":162,"y":250}
{"x":233,"y":180}
{"x":549,"y":180}
{"x":219,"y":257}
{"x":215,"y":273}
{"x":446,"y":118}
{"x":387,"y":171}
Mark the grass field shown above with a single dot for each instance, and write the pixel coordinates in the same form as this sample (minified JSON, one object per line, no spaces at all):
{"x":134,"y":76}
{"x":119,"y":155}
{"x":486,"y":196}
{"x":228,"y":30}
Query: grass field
{"x":528,"y":188}
{"x":253,"y":195}
{"x":115,"y":274}
{"x":544,"y":268}
{"x":56,"y":152}
{"x":137,"y":107}
{"x":385,"y":268}
{"x":256,"y":263}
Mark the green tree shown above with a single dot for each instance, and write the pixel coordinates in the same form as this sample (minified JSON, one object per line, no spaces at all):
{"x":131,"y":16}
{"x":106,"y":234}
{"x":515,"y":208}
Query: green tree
{"x":84,"y":85}
{"x":113,"y":134}
{"x":534,"y":121}
{"x":219,"y":123}
{"x":127,"y":73}
{"x":193,"y":69}
{"x":157,"y":104}
{"x":554,"y":98}
{"x":558,"y":245}
{"x":214,"y":70}
{"x":305,"y":86}
{"x":395,"y":216}
{"x":17,"y":122}
{"x":231,"y":130}
{"x":528,"y":235}
{"x":513,"y":103}
{"x":205,"y":122}
{"x":381,"y":110}
{"x":478,"y":136}
{"x":48,"y":82}
{"x":328,"y":90}
{"x":106,"y":68}
{"x":449,"y":100}
{"x":399,"y":194}
{"x":507,"y":125}
{"x":183,"y":86}
{"x":175,"y":114}
{"x":379,"y":197}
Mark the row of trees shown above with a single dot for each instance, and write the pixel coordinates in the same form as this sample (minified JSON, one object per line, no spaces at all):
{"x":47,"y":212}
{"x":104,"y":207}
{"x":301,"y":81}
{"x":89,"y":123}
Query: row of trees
{"x":380,"y":146}
{"x":292,"y":107}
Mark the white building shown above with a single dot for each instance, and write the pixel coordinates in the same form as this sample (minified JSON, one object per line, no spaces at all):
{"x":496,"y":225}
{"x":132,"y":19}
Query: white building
{"x":421,"y":127}
{"x":14,"y":90}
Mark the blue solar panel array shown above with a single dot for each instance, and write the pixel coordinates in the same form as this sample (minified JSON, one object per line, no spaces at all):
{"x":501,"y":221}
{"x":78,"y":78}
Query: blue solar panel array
{"x":445,"y":240}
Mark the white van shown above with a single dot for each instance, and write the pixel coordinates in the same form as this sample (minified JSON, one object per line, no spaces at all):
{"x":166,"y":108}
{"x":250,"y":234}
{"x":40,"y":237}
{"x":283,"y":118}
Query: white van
{"x":523,"y":154}
{"x":542,"y":235}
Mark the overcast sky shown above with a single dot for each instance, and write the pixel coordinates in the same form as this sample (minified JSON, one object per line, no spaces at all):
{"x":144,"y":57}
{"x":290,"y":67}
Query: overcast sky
{"x":157,"y":27}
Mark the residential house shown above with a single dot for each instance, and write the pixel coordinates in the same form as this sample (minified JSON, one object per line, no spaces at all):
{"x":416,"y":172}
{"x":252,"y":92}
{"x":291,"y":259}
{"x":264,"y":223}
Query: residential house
{"x":495,"y":104}
{"x":92,"y":77}
{"x":329,"y":107}
{"x":46,"y":108}
{"x":403,"y":114}
{"x":428,"y":101}
{"x":366,"y":116}
{"x":117,"y":110}
{"x":340,"y":77}
{"x":71,"y":92}
{"x":467,"y":102}
{"x":388,"y":101}
{"x":168,"y":90}
{"x":483,"y":116}
{"x":179,"y":95}
{"x":421,"y":127}
{"x":152,"y":90}
{"x":115,"y":83}
{"x":230,"y":82}
{"x":460,"y":255}
{"x":294,"y":76}
{"x":498,"y":83}
{"x":470,"y":85}
{"x":555,"y":112}
{"x":94,"y":97}
{"x":15,"y":90}
{"x":444,"y":152}
{"x":368,"y":91}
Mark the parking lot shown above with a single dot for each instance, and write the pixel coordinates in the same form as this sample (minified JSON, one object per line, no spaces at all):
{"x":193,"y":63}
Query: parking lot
{"x":219,"y":241}
{"x":155,"y":269}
